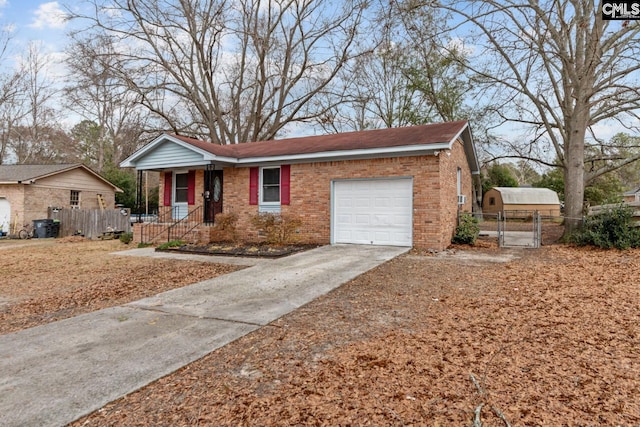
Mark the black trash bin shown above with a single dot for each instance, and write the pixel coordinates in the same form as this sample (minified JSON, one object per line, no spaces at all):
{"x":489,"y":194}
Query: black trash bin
{"x":42,"y":228}
{"x":55,"y":228}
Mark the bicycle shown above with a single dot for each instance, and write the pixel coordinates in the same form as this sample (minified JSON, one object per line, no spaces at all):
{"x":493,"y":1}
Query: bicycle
{"x":26,"y":232}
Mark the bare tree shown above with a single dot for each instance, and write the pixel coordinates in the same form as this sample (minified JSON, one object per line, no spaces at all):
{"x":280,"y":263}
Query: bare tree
{"x":11,"y":87}
{"x":36,"y":137}
{"x":558,"y":68}
{"x":113,"y":119}
{"x":376,"y":94}
{"x":407,"y":79}
{"x":230,"y":71}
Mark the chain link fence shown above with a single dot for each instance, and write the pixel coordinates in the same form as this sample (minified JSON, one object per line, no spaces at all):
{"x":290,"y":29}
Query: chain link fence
{"x":529,"y":229}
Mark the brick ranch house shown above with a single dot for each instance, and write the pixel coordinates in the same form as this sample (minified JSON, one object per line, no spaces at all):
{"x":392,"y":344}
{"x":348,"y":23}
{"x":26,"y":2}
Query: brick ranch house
{"x":28,"y":191}
{"x":398,"y":186}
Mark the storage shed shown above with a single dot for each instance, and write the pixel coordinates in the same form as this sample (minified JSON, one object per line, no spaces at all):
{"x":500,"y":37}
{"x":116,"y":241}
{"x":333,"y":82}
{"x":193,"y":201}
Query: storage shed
{"x":632,"y":196}
{"x":521,"y":201}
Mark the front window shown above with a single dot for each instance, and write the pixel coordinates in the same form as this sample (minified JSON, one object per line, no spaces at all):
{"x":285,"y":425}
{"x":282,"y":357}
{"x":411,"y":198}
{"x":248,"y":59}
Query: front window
{"x":492,"y":201}
{"x":182,"y":188}
{"x":74,"y":201}
{"x":271,"y":185}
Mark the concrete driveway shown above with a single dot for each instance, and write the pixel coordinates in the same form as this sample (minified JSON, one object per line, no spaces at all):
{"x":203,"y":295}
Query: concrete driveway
{"x":53,"y":374}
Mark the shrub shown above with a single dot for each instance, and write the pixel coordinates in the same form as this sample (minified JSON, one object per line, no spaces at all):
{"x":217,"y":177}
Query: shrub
{"x":278,"y":229}
{"x":126,"y":238}
{"x":227,"y":224}
{"x":467,"y":231}
{"x":611,"y":228}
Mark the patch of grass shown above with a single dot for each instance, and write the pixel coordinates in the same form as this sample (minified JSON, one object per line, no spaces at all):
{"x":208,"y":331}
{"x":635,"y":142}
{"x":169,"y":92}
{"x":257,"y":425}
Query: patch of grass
{"x":126,"y":238}
{"x":171,"y":244}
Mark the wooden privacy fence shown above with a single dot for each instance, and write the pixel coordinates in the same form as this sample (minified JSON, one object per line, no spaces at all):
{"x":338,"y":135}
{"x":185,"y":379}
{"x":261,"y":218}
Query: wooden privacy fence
{"x":91,"y":223}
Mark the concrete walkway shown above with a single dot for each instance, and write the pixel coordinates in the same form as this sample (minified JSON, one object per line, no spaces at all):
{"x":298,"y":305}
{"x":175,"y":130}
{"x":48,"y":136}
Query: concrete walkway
{"x":53,"y":374}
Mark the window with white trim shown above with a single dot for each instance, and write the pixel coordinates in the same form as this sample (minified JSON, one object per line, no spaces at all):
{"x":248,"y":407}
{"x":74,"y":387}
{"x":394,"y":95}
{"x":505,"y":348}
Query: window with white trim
{"x":270,"y":186}
{"x":181,"y":188}
{"x":269,"y":199}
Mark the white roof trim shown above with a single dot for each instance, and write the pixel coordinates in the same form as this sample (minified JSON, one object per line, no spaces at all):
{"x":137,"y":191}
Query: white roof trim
{"x":342,"y":154}
{"x":207,"y":157}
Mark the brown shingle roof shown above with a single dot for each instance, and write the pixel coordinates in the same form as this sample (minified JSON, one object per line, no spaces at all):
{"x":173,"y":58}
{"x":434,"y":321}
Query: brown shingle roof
{"x":16,"y":174}
{"x":368,"y":139}
{"x":19,"y":173}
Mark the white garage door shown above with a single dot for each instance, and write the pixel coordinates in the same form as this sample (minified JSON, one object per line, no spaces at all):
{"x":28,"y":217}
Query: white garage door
{"x":373,"y":212}
{"x":5,"y":214}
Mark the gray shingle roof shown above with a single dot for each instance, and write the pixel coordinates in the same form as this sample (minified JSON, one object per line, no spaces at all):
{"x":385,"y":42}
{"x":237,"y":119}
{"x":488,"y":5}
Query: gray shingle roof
{"x":528,"y":196}
{"x":21,"y":173}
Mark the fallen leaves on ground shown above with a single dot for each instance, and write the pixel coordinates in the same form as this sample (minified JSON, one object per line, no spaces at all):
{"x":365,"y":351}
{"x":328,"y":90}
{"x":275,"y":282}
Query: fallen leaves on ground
{"x":552,"y":338}
{"x":54,"y":280}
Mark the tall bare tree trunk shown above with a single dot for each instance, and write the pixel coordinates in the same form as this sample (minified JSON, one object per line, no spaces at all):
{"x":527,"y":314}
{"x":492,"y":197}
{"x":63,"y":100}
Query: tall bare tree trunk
{"x":574,"y":169}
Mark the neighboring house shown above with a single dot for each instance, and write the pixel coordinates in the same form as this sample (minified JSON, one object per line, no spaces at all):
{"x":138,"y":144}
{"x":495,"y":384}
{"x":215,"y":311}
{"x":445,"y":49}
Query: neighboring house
{"x":27,"y":191}
{"x":520,"y":201}
{"x":632,"y":196}
{"x":402,"y":186}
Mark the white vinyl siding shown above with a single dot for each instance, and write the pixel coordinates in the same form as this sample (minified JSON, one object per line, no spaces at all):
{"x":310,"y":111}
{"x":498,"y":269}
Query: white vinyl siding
{"x":169,"y":155}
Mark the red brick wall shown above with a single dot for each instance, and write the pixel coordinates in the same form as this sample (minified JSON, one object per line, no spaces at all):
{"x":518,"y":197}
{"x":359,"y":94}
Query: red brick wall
{"x":434,"y":194}
{"x":450,"y":161}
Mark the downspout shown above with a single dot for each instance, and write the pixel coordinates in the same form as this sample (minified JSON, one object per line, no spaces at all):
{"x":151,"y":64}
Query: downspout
{"x":477,"y":193}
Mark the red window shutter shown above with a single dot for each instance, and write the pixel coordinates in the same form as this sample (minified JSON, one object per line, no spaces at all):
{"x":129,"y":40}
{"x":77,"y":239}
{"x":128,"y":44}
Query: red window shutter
{"x":191,"y":188}
{"x":285,"y":186}
{"x":253,"y":185}
{"x":167,"y":188}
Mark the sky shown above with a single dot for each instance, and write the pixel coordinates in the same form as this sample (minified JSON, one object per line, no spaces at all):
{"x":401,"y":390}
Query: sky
{"x":43,"y":22}
{"x":33,"y":20}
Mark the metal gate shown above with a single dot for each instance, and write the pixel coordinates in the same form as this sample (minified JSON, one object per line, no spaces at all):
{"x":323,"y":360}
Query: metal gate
{"x":519,"y":229}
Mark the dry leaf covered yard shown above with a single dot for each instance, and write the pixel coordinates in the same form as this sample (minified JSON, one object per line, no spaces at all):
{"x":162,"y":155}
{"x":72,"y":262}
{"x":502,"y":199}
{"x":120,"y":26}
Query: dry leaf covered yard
{"x":549,"y":337}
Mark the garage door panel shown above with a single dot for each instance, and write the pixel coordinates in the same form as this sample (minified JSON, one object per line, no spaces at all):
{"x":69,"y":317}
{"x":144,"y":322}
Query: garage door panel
{"x":383,"y":202}
{"x":386,"y":220}
{"x":373,"y":212}
{"x":344,"y":219}
{"x":362,"y":220}
{"x":362,"y":202}
{"x":400,"y":220}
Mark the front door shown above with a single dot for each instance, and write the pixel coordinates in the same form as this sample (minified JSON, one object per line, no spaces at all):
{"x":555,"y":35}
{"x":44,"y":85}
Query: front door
{"x":212,"y":194}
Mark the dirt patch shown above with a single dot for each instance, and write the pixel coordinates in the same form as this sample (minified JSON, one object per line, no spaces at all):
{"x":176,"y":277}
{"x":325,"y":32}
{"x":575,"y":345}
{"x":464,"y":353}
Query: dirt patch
{"x":47,"y":280}
{"x":262,"y":250}
{"x":550,"y":337}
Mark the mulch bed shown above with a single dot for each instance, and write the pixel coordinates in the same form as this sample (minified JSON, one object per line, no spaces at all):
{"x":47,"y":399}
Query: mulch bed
{"x":241,"y":250}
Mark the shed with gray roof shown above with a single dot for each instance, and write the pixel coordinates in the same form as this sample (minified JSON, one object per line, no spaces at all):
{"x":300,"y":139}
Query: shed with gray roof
{"x":521,"y":201}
